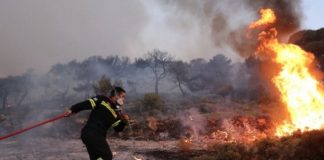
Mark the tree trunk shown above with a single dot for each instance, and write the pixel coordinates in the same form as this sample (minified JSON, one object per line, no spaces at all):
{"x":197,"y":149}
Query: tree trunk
{"x":3,"y":107}
{"x":22,"y":98}
{"x":157,"y":86}
{"x":4,"y":101}
{"x":180,"y":87}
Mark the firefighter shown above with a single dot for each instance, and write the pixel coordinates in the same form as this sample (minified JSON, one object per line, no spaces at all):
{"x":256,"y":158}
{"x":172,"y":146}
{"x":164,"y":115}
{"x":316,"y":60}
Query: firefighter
{"x":105,"y":113}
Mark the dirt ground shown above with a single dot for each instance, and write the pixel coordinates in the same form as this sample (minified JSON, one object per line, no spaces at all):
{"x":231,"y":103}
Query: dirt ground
{"x":73,"y":149}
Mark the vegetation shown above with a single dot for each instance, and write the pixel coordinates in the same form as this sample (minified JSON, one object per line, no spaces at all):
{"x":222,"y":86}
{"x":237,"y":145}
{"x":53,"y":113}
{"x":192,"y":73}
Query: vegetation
{"x":157,"y":84}
{"x":158,"y":61}
{"x":298,"y":147}
{"x":103,"y":86}
{"x":152,"y":103}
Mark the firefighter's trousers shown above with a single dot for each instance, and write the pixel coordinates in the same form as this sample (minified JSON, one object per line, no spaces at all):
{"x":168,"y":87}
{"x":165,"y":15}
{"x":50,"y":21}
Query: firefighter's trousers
{"x":97,"y":146}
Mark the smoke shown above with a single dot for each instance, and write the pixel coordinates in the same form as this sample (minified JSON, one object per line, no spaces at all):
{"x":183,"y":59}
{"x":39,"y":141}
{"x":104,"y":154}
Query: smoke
{"x":48,"y":32}
{"x":194,"y":121}
{"x":45,"y":32}
{"x":225,"y":22}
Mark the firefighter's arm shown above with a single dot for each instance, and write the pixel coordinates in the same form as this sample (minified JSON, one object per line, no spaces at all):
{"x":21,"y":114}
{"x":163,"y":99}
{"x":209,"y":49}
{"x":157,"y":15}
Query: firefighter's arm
{"x":84,"y":105}
{"x":121,"y":123}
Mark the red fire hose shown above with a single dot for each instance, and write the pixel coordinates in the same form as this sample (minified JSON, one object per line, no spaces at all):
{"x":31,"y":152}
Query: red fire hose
{"x":33,"y":126}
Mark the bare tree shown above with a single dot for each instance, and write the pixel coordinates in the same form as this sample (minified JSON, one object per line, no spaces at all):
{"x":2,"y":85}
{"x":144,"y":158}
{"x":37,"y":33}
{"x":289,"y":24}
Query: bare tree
{"x":158,"y":62}
{"x":179,"y":73}
{"x":23,"y":86}
{"x":15,"y":89}
{"x":3,"y":93}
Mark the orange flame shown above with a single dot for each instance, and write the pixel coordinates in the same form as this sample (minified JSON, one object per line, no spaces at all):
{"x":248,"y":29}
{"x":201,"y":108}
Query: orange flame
{"x":267,"y":17}
{"x":299,"y":89}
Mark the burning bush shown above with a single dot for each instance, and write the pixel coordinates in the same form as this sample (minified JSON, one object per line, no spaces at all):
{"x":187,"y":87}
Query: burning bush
{"x":184,"y":144}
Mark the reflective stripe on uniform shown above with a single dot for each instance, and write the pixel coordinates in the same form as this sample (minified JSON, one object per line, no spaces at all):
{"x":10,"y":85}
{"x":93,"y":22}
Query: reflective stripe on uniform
{"x":109,"y":108}
{"x":116,"y":123}
{"x":93,"y":103}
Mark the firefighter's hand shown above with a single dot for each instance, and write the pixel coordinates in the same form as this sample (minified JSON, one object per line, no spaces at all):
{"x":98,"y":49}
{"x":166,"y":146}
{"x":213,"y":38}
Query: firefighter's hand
{"x":68,"y":113}
{"x":126,"y":117}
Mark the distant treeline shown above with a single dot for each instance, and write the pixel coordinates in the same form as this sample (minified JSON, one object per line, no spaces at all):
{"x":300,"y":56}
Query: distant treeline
{"x":157,"y":71}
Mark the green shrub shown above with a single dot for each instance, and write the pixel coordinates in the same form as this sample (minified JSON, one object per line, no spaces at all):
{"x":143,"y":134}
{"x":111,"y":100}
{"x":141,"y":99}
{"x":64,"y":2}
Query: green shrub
{"x":152,"y":103}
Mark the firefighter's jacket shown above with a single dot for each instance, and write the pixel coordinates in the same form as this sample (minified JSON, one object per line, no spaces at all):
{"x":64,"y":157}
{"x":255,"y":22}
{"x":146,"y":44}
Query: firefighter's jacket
{"x":103,"y":115}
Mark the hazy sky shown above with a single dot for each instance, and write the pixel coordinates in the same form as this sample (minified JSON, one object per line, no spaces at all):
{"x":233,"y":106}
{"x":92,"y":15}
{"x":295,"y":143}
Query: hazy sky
{"x":36,"y":34}
{"x":313,"y":11}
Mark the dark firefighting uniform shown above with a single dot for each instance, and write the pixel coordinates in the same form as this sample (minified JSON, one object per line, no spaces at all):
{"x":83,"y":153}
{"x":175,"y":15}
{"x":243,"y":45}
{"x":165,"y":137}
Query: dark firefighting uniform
{"x":104,"y":114}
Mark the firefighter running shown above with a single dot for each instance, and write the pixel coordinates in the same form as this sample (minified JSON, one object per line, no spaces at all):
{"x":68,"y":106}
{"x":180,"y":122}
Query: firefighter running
{"x":105,"y":113}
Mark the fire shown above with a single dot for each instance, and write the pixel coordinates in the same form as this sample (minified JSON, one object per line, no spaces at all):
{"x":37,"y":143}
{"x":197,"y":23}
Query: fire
{"x":185,"y":144}
{"x":300,"y":91}
{"x":267,"y":17}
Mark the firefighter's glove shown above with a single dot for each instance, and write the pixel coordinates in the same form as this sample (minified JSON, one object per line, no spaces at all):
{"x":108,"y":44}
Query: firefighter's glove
{"x":68,"y":113}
